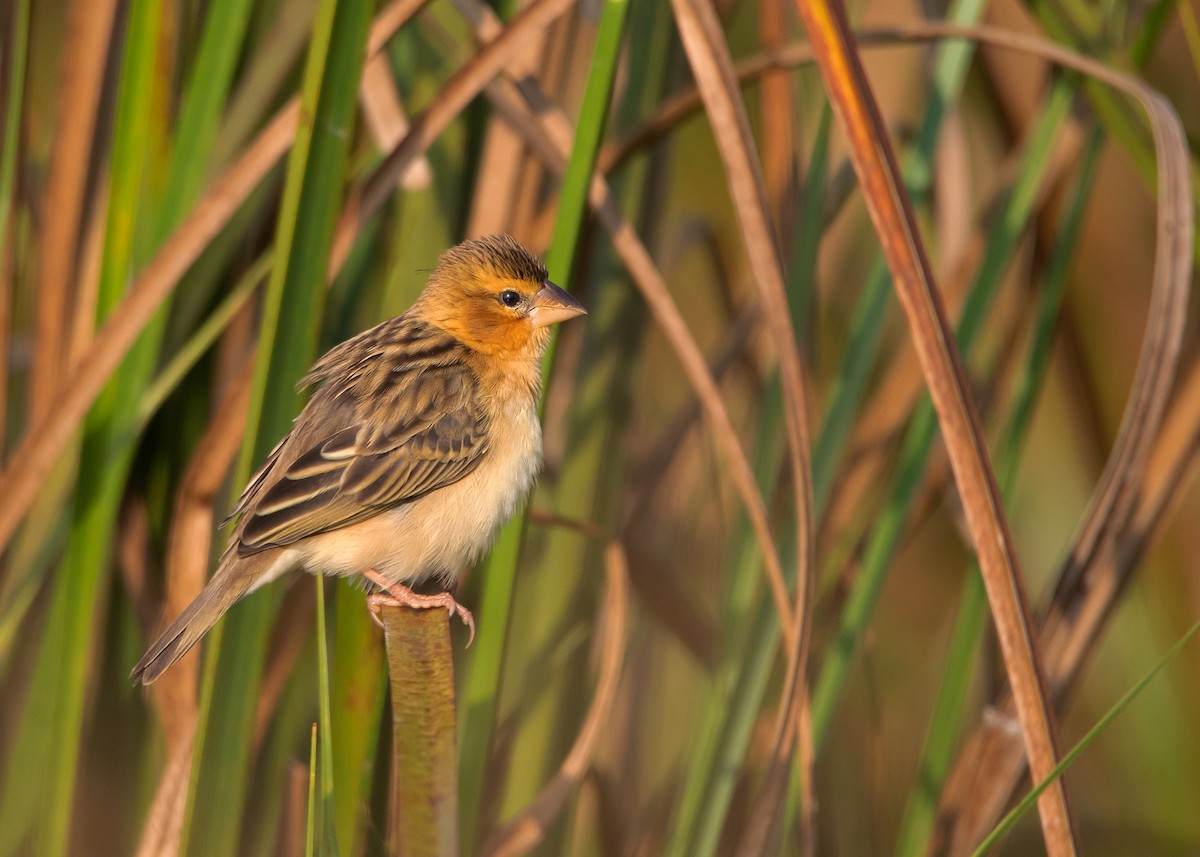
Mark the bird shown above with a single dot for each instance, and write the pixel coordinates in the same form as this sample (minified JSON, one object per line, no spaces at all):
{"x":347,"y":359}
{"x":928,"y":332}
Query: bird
{"x":419,"y":441}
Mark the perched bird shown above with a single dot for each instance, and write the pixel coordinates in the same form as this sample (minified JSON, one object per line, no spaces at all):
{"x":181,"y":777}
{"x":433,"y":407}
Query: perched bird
{"x":418,"y":443}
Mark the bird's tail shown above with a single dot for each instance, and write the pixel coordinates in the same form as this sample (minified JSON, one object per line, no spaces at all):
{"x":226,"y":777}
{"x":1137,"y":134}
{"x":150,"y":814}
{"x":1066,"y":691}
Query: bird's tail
{"x":235,"y":577}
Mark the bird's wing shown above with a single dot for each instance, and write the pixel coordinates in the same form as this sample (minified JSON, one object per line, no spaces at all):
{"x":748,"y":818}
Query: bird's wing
{"x":354,"y":454}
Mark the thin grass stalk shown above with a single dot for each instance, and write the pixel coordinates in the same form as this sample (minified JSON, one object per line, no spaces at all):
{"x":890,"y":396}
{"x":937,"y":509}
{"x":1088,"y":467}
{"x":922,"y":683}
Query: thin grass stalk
{"x":358,"y":688}
{"x":293,"y":303}
{"x":16,"y":51}
{"x":328,"y":830}
{"x":945,"y":723}
{"x":564,"y":559}
{"x":12,"y":77}
{"x":500,"y":570}
{"x":1027,"y":803}
{"x":279,"y":823}
{"x":875,"y":163}
{"x":424,"y":803}
{"x":310,"y":823}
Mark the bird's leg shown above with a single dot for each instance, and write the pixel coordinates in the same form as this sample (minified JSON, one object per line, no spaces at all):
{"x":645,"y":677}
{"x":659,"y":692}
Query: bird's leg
{"x":399,"y":595}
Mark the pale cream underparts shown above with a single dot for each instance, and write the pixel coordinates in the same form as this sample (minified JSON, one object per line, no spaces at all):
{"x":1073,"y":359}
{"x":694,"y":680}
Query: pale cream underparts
{"x":439,"y":534}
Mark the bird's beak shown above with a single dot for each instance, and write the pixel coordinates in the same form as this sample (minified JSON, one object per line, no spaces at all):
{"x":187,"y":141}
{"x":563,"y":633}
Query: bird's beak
{"x":551,"y":304}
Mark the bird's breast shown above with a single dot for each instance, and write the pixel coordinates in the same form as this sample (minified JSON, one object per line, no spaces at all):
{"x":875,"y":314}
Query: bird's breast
{"x":440,"y":533}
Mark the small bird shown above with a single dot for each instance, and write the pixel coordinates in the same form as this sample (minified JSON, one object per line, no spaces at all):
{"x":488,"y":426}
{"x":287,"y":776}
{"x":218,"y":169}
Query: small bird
{"x":420,"y":440}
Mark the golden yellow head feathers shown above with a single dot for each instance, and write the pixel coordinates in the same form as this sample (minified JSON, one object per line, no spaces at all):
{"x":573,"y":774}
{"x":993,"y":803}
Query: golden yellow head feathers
{"x":495,"y":296}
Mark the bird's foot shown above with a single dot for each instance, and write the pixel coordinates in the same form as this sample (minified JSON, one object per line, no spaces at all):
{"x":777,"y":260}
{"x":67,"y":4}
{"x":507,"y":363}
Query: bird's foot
{"x":399,"y":595}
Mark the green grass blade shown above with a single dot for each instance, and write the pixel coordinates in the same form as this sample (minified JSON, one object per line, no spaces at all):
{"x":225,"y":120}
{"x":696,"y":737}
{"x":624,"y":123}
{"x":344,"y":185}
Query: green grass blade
{"x":289,"y":332}
{"x":1028,"y":802}
{"x":357,"y":692}
{"x":310,"y":824}
{"x":202,"y":109}
{"x":589,"y":130}
{"x":16,"y":50}
{"x":329,"y":839}
{"x":499,"y":577}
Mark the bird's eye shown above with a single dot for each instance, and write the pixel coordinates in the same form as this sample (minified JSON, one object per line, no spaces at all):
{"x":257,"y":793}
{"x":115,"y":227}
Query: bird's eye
{"x":510,"y":298}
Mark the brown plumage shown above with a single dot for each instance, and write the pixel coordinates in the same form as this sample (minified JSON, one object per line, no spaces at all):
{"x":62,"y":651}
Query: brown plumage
{"x":419,"y":441}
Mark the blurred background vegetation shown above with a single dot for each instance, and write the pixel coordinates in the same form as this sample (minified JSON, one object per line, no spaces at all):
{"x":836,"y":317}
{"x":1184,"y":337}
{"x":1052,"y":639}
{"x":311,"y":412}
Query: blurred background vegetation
{"x":180,"y":176}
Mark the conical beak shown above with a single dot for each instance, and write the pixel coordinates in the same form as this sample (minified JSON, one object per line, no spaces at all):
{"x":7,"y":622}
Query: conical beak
{"x":551,"y":305}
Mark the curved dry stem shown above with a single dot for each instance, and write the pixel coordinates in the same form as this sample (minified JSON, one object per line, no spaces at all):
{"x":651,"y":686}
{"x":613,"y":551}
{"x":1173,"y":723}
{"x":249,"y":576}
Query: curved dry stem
{"x":528,"y":828}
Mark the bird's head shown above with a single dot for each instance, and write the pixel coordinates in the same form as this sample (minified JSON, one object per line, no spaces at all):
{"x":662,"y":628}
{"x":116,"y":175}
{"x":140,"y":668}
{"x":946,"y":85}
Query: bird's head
{"x":496,"y":297}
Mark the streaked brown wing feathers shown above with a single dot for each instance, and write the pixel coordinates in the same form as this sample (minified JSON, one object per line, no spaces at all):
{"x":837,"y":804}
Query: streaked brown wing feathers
{"x":385,"y":434}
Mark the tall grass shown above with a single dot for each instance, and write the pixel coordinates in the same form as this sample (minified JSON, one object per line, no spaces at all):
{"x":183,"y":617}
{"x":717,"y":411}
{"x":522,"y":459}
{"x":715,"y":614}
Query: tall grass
{"x":198,"y":199}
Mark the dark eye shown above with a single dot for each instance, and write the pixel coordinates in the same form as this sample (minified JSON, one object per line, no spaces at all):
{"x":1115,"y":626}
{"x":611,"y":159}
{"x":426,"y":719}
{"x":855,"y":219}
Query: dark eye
{"x":510,"y":298}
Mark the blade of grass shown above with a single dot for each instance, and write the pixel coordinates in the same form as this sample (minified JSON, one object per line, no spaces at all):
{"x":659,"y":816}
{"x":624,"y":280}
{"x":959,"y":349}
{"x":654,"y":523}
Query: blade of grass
{"x":1069,"y":758}
{"x":329,"y":838}
{"x":358,"y":686}
{"x":875,"y":164}
{"x":12,"y":78}
{"x":293,"y":303}
{"x":310,"y":825}
{"x":483,"y":688}
{"x":16,"y":51}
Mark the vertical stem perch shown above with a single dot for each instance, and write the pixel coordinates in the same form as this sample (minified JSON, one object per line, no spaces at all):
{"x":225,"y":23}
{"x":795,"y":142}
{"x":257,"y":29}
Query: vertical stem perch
{"x":424,"y":815}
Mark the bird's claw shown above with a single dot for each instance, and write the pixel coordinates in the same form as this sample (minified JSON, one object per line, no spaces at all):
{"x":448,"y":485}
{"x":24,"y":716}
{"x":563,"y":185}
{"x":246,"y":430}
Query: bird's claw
{"x":399,"y":595}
